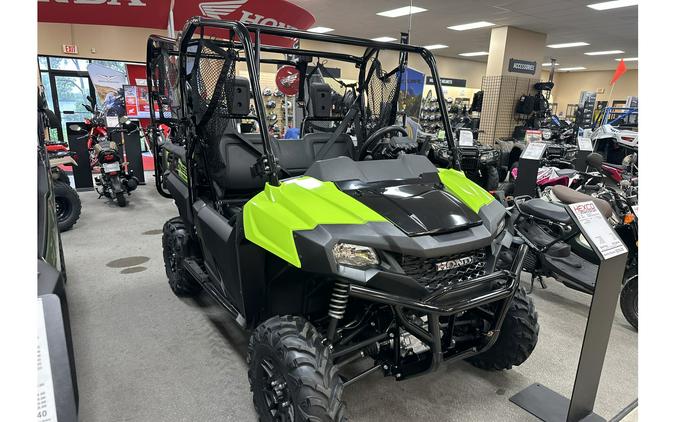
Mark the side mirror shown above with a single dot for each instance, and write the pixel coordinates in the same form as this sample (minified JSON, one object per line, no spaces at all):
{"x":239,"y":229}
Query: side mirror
{"x":91,"y":100}
{"x":75,"y":128}
{"x":88,"y":108}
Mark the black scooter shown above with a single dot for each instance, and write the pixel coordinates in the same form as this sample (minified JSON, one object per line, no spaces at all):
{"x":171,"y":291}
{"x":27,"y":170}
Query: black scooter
{"x":559,"y":250}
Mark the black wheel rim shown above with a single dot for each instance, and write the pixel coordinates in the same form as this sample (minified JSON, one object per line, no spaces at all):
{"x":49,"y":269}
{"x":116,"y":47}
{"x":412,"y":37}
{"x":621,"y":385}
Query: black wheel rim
{"x":275,"y":392}
{"x":62,"y":208}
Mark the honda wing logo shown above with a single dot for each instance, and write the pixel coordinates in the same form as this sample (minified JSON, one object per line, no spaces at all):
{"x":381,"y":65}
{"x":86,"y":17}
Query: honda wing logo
{"x":289,"y":80}
{"x":455,"y":263}
{"x":221,"y":9}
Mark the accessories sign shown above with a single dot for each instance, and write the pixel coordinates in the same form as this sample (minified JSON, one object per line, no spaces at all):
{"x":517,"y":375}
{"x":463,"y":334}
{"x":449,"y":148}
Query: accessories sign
{"x":522,"y":66}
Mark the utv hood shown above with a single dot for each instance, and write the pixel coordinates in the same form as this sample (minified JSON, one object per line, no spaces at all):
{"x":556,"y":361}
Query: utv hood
{"x":417,"y":209}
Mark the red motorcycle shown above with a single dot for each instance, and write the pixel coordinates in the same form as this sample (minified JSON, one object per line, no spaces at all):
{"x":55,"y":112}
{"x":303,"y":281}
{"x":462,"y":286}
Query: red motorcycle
{"x":115,"y":178}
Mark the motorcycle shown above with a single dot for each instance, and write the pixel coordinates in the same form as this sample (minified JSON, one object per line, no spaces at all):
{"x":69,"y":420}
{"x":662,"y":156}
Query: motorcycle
{"x":559,"y":250}
{"x":115,"y":178}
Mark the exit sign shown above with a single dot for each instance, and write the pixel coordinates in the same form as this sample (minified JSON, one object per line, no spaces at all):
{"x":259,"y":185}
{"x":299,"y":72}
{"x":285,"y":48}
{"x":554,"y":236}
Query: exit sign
{"x":69,"y":49}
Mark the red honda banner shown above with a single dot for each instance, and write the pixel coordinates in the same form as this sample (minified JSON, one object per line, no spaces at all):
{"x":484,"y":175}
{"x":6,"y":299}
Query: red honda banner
{"x":155,"y":13}
{"x":620,"y":70}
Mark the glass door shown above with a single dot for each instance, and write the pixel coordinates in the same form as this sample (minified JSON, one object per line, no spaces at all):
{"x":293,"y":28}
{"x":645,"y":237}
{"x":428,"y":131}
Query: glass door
{"x":71,"y":94}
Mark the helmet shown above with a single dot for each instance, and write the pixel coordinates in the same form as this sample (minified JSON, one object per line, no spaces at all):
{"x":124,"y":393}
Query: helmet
{"x":271,"y":104}
{"x":267,"y":92}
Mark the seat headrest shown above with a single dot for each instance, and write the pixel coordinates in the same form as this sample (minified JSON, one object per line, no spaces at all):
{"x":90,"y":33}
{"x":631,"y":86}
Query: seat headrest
{"x":241,"y":96}
{"x":320,"y":97}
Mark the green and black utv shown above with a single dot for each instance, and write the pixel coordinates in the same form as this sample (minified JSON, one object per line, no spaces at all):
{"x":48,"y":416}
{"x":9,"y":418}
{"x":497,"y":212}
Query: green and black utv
{"x":343,"y":245}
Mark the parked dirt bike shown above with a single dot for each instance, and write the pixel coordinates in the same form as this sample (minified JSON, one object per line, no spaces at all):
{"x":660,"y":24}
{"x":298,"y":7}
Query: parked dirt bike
{"x":68,"y":205}
{"x":115,"y":179}
{"x":559,"y":250}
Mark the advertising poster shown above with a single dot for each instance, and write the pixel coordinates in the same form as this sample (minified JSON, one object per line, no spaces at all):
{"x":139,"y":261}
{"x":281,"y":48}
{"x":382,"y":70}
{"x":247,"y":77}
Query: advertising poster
{"x":109,"y":88}
{"x":136,"y":102}
{"x":410,"y":97}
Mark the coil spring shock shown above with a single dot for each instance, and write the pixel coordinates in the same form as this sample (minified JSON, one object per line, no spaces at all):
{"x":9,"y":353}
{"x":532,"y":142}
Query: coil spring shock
{"x":337,"y":306}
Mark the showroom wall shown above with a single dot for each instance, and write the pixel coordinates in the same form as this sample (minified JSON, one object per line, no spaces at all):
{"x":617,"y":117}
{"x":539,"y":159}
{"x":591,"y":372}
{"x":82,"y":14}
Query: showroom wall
{"x":568,"y":86}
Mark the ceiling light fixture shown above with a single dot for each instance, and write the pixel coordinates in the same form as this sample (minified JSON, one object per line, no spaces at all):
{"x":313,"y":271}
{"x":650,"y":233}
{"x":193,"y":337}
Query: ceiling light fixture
{"x":402,"y":11}
{"x":604,"y":53}
{"x":606,"y":5}
{"x":320,"y":29}
{"x":549,"y":64}
{"x":568,"y":44}
{"x":567,"y":69}
{"x":384,"y":39}
{"x":474,"y":54}
{"x":628,"y":59}
{"x":435,"y":46}
{"x":473,"y":25}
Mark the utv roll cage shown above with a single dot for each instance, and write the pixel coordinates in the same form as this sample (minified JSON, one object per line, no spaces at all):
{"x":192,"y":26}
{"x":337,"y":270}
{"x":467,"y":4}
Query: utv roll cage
{"x":190,"y":46}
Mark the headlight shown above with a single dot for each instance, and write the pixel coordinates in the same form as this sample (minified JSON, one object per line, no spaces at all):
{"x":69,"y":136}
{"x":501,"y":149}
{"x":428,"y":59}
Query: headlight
{"x":354,"y":255}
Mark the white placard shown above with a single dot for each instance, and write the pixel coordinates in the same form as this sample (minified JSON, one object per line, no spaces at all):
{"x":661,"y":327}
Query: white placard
{"x":465,"y":138}
{"x":46,"y":406}
{"x":534,"y":151}
{"x":585,"y":144}
{"x":597,"y":229}
{"x":636,"y":211}
{"x":112,"y":121}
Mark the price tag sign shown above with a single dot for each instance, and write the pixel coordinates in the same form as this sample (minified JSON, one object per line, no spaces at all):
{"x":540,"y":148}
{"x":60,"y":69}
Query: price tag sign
{"x":534,"y":151}
{"x":533,"y":136}
{"x":465,"y":138}
{"x":46,"y":405}
{"x":597,"y":230}
{"x":112,"y":121}
{"x":585,"y":144}
{"x":636,"y":210}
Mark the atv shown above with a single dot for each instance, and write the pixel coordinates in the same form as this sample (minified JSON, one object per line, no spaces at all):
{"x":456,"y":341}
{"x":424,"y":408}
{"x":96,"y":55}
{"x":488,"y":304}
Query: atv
{"x":340,"y":246}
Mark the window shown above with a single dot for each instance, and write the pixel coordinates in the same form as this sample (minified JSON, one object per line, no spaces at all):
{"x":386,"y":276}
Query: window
{"x":42,"y":62}
{"x":65,"y":63}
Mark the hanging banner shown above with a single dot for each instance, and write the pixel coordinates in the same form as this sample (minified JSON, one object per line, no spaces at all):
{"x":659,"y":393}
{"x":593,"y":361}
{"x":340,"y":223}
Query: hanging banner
{"x":155,"y":13}
{"x":109,"y":88}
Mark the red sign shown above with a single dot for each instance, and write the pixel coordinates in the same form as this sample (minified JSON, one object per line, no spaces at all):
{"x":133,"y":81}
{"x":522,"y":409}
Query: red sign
{"x":69,"y":49}
{"x":288,"y":80}
{"x":155,"y":13}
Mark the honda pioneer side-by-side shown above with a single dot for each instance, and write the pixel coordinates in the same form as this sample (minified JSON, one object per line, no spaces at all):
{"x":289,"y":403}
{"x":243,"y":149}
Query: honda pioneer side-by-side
{"x":343,"y":245}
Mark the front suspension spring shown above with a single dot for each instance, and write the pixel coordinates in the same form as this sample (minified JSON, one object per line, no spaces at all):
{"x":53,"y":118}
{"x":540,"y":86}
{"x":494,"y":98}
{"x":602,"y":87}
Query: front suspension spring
{"x":338,"y":300}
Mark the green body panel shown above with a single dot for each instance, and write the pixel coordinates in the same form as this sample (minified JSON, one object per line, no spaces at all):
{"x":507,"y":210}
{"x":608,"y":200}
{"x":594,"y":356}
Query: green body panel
{"x":464,"y":189}
{"x":271,"y":217}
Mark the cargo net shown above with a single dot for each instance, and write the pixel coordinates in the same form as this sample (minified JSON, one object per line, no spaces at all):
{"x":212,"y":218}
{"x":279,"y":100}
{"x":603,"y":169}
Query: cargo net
{"x":381,"y":89}
{"x":212,"y":83}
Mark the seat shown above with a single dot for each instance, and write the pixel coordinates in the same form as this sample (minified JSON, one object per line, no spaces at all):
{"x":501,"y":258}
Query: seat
{"x":570,"y":196}
{"x":546,"y":210}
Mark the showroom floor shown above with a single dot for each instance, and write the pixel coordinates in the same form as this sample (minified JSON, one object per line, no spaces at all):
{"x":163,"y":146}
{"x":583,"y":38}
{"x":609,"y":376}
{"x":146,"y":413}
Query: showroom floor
{"x":144,"y":355}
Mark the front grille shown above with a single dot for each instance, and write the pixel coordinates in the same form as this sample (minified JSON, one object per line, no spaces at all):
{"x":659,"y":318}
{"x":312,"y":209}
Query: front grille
{"x":438,"y":272}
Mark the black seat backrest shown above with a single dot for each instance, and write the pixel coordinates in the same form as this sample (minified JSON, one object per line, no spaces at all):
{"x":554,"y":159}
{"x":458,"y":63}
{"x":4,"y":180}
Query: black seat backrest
{"x":342,"y":147}
{"x":231,"y":160}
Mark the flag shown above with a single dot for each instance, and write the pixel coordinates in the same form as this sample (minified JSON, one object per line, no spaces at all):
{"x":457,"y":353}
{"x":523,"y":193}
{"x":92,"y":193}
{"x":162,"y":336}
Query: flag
{"x":620,"y":70}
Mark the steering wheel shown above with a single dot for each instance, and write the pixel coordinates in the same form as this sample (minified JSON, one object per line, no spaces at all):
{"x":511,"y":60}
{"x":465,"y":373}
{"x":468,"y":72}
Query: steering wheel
{"x":376,"y":137}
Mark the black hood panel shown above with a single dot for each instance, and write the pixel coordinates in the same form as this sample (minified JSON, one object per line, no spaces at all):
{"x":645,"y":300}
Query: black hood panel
{"x":417,"y":208}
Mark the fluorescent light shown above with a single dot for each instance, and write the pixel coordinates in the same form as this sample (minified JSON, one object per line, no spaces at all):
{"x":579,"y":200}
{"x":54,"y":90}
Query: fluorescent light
{"x":384,"y":39}
{"x":549,"y":64}
{"x":475,"y":53}
{"x":568,"y":44}
{"x":320,"y":29}
{"x":435,"y":46}
{"x":604,"y":53}
{"x":628,"y":59}
{"x":402,"y":11}
{"x":473,"y":25}
{"x":565,"y":69}
{"x":613,"y":4}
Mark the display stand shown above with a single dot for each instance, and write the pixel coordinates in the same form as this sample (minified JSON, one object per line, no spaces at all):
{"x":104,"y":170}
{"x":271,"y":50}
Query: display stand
{"x":585,"y":147}
{"x":132,"y":145}
{"x":82,"y":171}
{"x":546,"y":404}
{"x":528,"y":167}
{"x":56,"y":392}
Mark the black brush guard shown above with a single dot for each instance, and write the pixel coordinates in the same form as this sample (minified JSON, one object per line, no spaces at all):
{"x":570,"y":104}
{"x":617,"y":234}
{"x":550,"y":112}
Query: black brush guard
{"x":448,"y":301}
